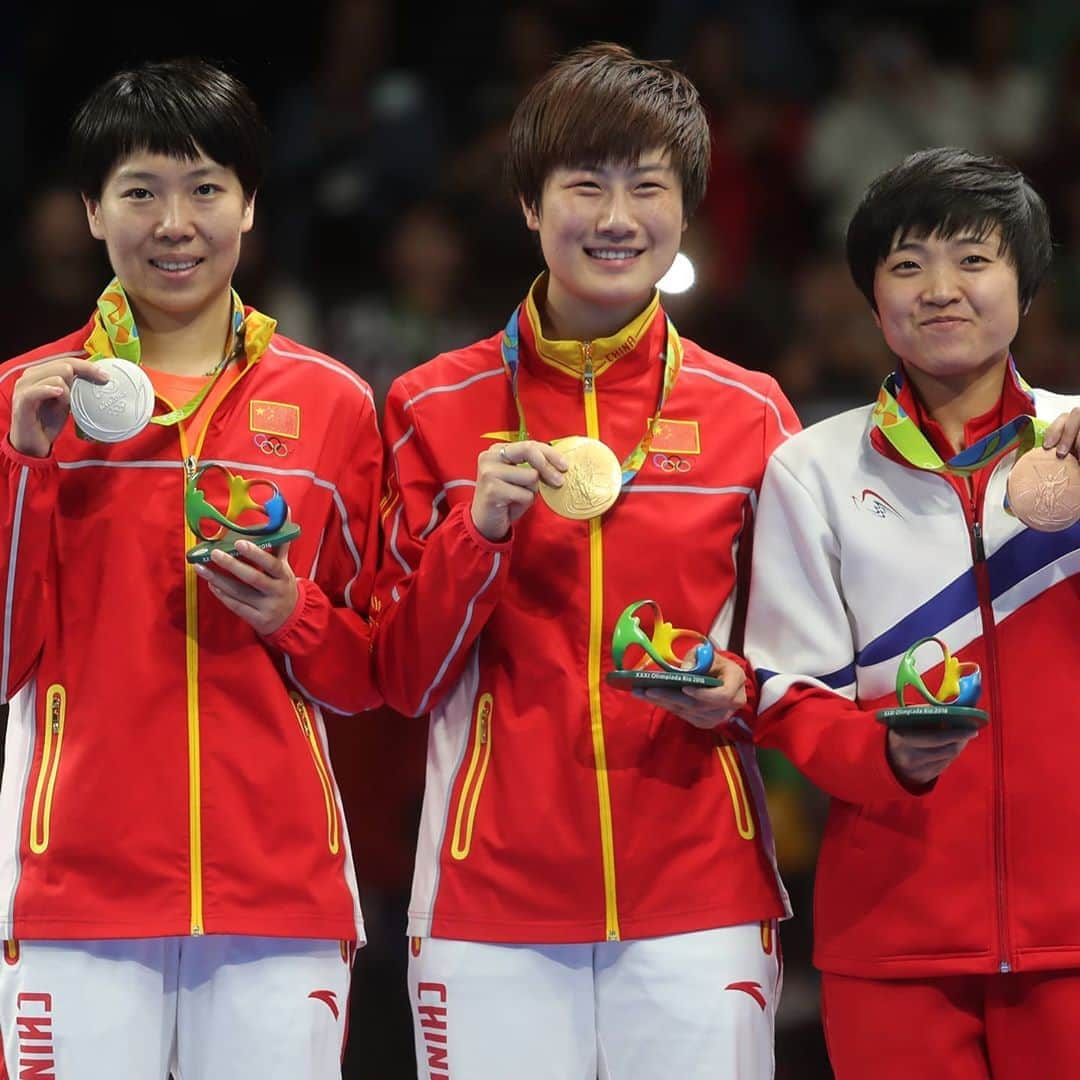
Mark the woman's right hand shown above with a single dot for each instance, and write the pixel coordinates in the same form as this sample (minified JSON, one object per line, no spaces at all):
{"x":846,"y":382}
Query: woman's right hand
{"x":508,"y":477}
{"x":41,"y":401}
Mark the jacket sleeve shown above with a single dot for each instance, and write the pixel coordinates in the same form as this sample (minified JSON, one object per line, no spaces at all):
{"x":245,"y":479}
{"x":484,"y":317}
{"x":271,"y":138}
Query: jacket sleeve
{"x":327,"y":640}
{"x":439,"y":579}
{"x":778,"y":423}
{"x":799,"y":641}
{"x":29,"y":489}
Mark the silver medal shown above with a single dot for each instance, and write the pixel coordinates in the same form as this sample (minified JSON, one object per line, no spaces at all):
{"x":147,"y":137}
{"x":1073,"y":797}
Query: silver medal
{"x":118,"y":409}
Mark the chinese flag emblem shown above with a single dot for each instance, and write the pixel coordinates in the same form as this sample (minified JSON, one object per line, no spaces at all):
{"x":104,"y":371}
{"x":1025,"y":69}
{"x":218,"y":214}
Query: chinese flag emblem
{"x":275,"y":418}
{"x":676,"y":437}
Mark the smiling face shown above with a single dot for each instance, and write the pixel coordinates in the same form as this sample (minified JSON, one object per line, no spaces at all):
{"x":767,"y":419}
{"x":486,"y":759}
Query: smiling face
{"x":948,"y":308}
{"x":172,"y":228}
{"x":609,"y":233}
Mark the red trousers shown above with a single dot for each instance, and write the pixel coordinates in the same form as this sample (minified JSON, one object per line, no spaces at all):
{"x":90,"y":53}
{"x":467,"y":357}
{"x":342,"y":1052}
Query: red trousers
{"x":963,"y":1027}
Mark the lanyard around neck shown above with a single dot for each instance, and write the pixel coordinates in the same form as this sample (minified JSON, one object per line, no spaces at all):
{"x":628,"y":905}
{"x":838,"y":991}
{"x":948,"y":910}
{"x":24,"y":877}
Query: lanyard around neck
{"x":913,"y":446}
{"x":672,"y":364}
{"x":115,"y":334}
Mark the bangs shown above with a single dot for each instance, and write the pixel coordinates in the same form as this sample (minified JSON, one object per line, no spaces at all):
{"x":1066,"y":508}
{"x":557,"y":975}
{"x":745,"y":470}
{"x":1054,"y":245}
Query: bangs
{"x":177,"y":109}
{"x":595,"y":129}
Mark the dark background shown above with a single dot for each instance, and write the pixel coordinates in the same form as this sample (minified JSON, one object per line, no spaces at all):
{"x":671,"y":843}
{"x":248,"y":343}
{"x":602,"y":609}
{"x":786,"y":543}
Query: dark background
{"x":385,"y":234}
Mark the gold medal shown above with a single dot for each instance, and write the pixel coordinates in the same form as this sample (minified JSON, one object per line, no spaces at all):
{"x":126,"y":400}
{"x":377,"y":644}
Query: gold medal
{"x":1044,"y":490}
{"x":592,"y":482}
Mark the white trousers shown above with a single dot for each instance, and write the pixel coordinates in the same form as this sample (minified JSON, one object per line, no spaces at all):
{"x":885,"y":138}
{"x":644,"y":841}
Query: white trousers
{"x":683,"y":1007}
{"x":208,"y":1008}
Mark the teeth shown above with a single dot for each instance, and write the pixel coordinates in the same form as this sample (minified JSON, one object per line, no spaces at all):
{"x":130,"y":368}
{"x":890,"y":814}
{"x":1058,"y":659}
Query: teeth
{"x":621,"y":254}
{"x":163,"y":265}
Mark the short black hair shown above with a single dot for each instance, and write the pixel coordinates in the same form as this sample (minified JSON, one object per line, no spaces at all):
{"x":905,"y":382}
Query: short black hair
{"x":174,"y":107}
{"x":602,"y":103}
{"x":947,"y":191}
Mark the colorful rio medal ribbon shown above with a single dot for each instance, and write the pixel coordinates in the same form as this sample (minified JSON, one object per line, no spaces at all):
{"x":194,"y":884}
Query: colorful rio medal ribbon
{"x":595,"y":477}
{"x":952,"y":708}
{"x":659,"y":664}
{"x":275,"y":530}
{"x":1044,"y":490}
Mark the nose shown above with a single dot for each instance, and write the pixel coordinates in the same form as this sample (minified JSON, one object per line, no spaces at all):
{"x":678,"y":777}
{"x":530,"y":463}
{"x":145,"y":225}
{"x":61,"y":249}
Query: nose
{"x":617,"y":215}
{"x":941,"y":286}
{"x":176,"y":222}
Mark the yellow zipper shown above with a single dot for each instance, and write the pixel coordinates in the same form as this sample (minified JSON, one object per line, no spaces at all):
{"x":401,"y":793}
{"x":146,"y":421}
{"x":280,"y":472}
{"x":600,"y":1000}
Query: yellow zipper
{"x":596,"y":627}
{"x":333,"y":838}
{"x":744,"y":819}
{"x":41,"y":810}
{"x":191,"y":625}
{"x":460,"y":846}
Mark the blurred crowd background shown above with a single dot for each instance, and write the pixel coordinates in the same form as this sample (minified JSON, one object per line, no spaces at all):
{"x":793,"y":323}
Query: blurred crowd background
{"x":385,"y":234}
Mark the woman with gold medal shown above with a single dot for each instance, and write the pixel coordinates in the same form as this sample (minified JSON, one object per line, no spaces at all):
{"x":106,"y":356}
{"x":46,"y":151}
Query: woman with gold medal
{"x":595,"y":887}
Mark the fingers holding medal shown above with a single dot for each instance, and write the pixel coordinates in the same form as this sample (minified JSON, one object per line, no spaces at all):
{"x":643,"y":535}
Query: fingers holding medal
{"x":508,"y":476}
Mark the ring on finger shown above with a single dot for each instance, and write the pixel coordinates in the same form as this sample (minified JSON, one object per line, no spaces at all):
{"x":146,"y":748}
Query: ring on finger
{"x":502,"y":455}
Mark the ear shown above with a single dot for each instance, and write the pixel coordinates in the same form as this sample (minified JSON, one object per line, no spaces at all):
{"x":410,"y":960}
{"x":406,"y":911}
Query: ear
{"x":877,"y":317}
{"x":248,"y":220}
{"x":93,"y":217}
{"x":532,"y":214}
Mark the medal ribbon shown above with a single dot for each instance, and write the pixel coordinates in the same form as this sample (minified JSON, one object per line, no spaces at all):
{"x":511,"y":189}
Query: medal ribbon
{"x":914,"y":447}
{"x":673,"y":355}
{"x":115,"y":334}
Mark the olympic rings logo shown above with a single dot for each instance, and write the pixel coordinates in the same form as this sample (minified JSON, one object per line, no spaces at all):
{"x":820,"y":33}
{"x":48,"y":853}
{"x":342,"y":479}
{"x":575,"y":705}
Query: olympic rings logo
{"x":268,"y":444}
{"x":671,"y":464}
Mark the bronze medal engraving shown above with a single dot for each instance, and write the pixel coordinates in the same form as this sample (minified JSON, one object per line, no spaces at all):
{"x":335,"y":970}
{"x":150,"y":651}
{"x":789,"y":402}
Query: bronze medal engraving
{"x":1044,"y":490}
{"x":592,"y":482}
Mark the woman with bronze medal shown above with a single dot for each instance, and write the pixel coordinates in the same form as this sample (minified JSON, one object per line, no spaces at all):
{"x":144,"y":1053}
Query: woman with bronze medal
{"x":595,"y":888}
{"x":176,"y":887}
{"x":947,"y":909}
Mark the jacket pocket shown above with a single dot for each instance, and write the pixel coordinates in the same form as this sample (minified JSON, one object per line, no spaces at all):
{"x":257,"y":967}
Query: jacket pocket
{"x":333,"y":826}
{"x":732,"y":766}
{"x":45,"y":789}
{"x":465,"y":818}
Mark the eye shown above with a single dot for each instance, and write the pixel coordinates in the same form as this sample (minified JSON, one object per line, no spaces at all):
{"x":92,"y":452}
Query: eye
{"x":138,"y":194}
{"x":905,"y":265}
{"x":207,"y":189}
{"x":974,"y":260}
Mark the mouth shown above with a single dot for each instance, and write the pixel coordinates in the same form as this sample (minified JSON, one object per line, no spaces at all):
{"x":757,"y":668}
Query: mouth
{"x":175,"y":265}
{"x":944,"y":321}
{"x":613,"y":255}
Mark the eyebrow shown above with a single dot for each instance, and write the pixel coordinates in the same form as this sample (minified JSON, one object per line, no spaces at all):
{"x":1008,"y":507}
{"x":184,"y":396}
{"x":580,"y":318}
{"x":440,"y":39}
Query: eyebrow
{"x":953,"y":241}
{"x":637,"y":170}
{"x":145,"y":174}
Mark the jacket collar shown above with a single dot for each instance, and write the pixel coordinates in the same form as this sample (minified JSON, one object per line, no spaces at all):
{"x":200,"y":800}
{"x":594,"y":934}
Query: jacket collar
{"x":636,"y":339}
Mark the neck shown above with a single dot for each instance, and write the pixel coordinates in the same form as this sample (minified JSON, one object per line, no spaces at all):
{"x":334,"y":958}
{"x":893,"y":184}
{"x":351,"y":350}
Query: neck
{"x":186,"y":344}
{"x":952,"y":402}
{"x":569,"y":318}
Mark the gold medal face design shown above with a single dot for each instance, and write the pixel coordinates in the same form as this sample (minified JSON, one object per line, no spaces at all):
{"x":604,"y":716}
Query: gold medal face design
{"x":1044,"y":490}
{"x":592,"y":482}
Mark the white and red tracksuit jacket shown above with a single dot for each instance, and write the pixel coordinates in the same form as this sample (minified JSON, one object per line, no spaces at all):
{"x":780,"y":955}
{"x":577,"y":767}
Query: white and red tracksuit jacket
{"x":166,"y":769}
{"x":557,"y":808}
{"x":858,"y":555}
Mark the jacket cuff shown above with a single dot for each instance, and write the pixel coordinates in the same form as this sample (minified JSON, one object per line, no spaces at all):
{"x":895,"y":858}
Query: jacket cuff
{"x":289,"y":637}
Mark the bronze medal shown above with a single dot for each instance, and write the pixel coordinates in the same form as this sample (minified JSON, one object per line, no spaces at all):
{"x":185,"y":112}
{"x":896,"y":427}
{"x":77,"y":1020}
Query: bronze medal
{"x":592,"y":482}
{"x":1044,"y":490}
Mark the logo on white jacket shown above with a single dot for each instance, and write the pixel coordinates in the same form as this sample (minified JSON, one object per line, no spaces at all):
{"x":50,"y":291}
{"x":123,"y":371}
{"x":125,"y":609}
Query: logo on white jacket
{"x":875,"y":504}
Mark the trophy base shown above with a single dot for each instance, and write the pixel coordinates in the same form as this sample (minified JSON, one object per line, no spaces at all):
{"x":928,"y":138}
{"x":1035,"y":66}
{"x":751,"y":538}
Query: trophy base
{"x":201,"y":552}
{"x":932,"y":719}
{"x":650,"y":677}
